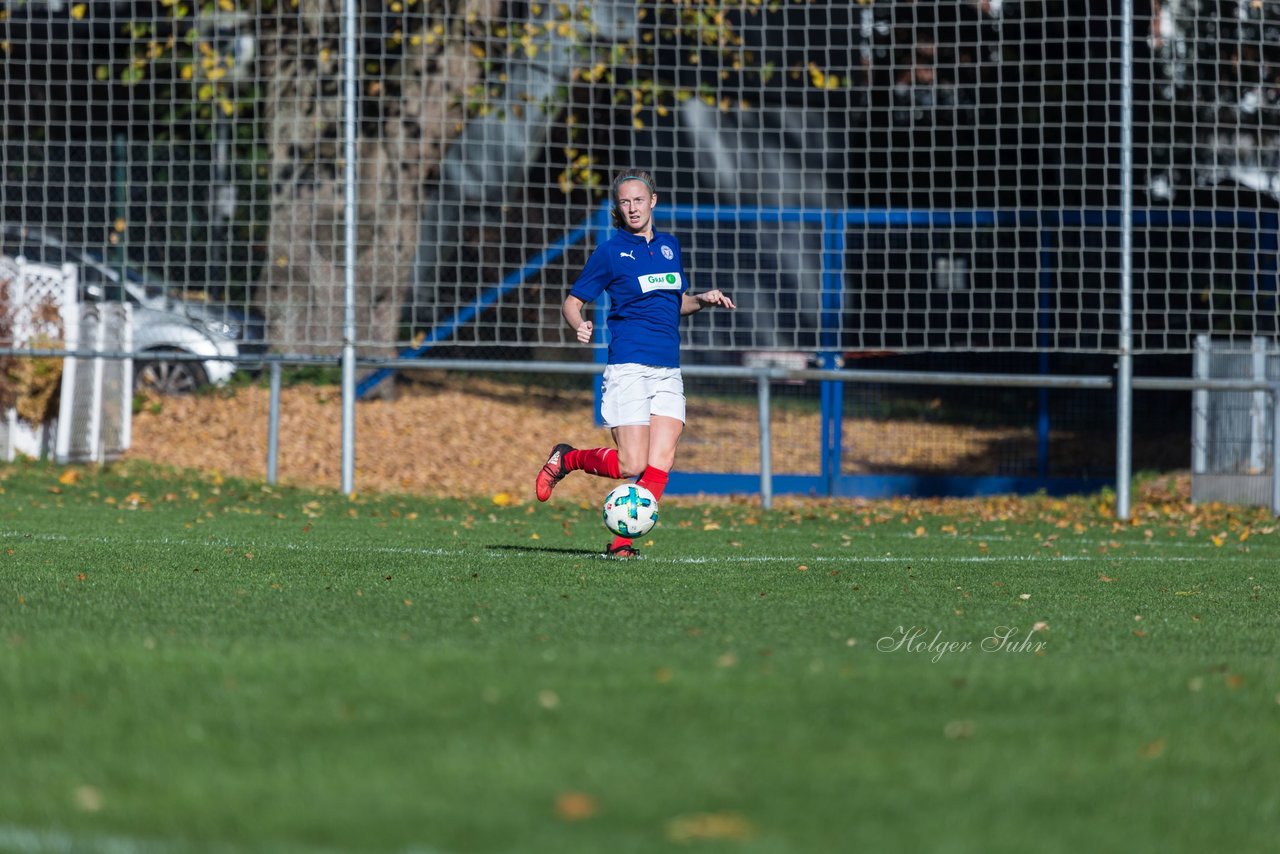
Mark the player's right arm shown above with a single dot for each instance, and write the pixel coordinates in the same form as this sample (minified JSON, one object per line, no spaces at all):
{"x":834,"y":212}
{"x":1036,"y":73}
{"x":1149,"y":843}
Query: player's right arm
{"x":595,"y":277}
{"x":572,"y":311}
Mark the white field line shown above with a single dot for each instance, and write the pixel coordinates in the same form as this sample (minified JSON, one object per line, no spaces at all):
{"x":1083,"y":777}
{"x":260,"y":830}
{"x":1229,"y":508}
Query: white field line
{"x":515,"y":550}
{"x":34,"y":840}
{"x":226,"y":544}
{"x":30,"y":840}
{"x":906,"y":558}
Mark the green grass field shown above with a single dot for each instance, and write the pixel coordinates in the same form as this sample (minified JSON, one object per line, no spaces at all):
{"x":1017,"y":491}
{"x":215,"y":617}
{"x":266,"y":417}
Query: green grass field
{"x":195,"y":665}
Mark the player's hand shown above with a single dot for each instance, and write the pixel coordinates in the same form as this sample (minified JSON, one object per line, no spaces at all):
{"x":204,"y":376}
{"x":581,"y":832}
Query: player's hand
{"x":584,"y":332}
{"x":716,"y":297}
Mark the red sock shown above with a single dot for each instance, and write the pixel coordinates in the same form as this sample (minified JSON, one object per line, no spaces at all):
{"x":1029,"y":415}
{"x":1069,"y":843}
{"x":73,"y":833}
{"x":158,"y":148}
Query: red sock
{"x":602,"y":462}
{"x":654,"y":480}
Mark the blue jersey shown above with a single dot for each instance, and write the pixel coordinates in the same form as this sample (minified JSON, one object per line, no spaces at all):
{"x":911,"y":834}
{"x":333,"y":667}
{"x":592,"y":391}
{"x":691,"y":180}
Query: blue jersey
{"x":644,"y":281}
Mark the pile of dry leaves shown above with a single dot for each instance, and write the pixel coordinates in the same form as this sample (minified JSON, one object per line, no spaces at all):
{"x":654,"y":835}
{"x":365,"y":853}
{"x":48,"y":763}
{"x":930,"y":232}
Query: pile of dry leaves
{"x":461,"y":436}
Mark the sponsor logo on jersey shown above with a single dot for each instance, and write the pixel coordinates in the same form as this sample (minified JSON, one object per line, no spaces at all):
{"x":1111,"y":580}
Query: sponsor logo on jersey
{"x":631,"y":255}
{"x":659,"y":282}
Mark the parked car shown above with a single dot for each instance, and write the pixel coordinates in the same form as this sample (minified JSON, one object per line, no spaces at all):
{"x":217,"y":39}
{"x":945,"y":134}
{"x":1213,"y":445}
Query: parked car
{"x":166,"y":322}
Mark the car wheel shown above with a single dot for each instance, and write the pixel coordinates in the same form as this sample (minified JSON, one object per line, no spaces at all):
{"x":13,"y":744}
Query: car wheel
{"x":169,"y":377}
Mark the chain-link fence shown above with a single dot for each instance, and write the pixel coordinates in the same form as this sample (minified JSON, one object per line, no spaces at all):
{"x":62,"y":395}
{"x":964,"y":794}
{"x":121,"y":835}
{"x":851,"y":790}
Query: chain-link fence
{"x":1044,"y":188}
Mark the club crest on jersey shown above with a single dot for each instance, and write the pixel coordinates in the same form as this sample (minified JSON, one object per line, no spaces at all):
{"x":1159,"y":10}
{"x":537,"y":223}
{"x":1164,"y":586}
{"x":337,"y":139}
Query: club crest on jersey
{"x":667,"y":253}
{"x":659,"y":282}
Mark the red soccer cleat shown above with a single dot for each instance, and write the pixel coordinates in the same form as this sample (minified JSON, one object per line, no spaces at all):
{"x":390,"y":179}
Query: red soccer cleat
{"x":551,"y":473}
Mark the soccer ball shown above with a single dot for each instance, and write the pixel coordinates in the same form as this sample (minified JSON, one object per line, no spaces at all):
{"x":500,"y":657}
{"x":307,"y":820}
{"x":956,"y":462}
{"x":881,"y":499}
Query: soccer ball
{"x":630,"y":510}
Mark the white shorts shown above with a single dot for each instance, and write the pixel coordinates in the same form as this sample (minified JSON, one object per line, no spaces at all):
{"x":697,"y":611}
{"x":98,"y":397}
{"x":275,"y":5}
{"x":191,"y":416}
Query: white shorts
{"x":633,"y":392}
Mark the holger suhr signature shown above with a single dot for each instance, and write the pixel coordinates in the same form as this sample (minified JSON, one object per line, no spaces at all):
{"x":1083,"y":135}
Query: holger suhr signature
{"x":917,"y":639}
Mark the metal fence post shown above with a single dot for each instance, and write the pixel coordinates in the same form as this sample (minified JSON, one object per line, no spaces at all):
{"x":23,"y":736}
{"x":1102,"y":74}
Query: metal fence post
{"x":1258,"y":353}
{"x":273,"y":424}
{"x":350,"y":134}
{"x":1275,"y":450}
{"x":1124,"y":378}
{"x":833,"y":245}
{"x":1200,"y":408}
{"x":766,"y":440}
{"x":832,"y":393}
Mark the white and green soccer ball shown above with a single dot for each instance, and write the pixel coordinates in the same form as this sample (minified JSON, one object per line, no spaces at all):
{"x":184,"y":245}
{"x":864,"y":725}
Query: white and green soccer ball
{"x":630,"y":510}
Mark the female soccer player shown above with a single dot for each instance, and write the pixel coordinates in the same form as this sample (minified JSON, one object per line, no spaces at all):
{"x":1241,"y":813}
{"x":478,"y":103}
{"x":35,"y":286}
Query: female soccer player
{"x":643,"y":402}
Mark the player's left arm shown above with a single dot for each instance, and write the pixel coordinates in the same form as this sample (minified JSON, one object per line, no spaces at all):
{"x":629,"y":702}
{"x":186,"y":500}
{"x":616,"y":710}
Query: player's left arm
{"x":690,"y":303}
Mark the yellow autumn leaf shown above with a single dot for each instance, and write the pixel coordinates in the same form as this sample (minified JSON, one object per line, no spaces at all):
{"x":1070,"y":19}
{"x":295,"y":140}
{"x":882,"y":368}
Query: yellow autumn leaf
{"x":716,"y":825}
{"x":88,"y":799}
{"x":1152,"y":749}
{"x":69,"y":477}
{"x":575,"y":806}
{"x":502,"y":499}
{"x":816,"y":76}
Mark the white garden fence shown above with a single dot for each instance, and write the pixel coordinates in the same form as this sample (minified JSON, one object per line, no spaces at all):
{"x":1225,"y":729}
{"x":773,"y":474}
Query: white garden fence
{"x":94,"y":413}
